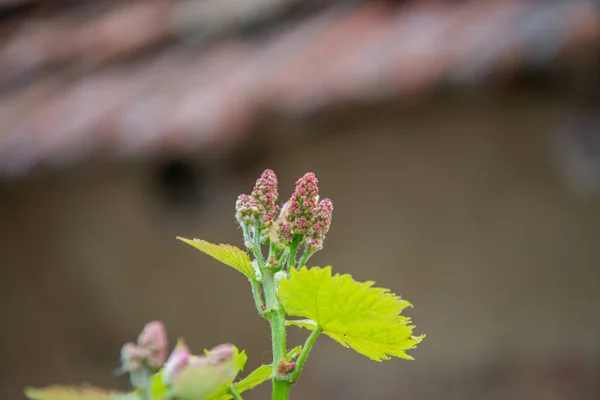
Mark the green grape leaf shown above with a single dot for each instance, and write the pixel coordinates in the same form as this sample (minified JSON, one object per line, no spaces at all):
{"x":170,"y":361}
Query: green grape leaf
{"x":355,"y":314}
{"x":258,"y":376}
{"x":60,"y":392}
{"x":227,"y":254}
{"x":158,"y":390}
{"x":240,"y":359}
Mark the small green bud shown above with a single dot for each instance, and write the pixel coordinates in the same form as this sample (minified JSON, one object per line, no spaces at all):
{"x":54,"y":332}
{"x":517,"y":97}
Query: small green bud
{"x":206,"y":375}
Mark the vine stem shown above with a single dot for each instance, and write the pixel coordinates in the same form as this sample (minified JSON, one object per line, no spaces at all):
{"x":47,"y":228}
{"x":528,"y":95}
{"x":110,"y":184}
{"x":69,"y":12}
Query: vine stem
{"x":257,"y":250}
{"x":304,"y":259}
{"x":292,"y":260}
{"x":141,"y":381}
{"x":281,"y":389}
{"x":257,"y":297}
{"x":276,"y":316}
{"x":304,"y":353}
{"x":235,"y":393}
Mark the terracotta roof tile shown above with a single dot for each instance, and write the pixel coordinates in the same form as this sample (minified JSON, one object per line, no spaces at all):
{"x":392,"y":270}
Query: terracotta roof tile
{"x":175,"y":97}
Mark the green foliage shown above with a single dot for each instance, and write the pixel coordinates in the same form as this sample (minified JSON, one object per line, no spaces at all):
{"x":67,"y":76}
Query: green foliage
{"x":158,"y":390}
{"x":258,"y":376}
{"x":356,"y":315}
{"x":227,"y":254}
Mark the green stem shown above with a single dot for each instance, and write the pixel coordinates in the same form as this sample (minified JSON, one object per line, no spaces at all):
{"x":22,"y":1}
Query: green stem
{"x":257,"y":297}
{"x":304,"y":353}
{"x":281,"y":389}
{"x":292,"y":261}
{"x":304,"y":259}
{"x":276,"y":316}
{"x":235,"y":393}
{"x":272,"y":254}
{"x":141,"y":381}
{"x":257,"y":249}
{"x":282,"y":259}
{"x":247,"y":239}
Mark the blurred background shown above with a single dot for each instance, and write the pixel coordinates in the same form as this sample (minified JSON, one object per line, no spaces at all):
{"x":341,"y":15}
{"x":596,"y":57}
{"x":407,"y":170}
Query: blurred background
{"x":458,"y":140}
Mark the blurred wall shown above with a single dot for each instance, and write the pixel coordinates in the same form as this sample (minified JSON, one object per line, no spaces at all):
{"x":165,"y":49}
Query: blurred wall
{"x":455,"y":205}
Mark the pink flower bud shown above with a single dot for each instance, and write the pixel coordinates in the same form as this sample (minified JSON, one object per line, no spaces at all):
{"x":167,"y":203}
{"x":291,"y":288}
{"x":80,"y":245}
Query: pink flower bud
{"x":320,"y":226}
{"x":206,"y":376}
{"x":179,"y":358}
{"x":298,"y":215}
{"x":247,"y":209}
{"x":197,"y":361}
{"x":153,"y":340}
{"x":221,"y":353}
{"x":261,"y":204}
{"x":266,"y":194}
{"x":131,"y":358}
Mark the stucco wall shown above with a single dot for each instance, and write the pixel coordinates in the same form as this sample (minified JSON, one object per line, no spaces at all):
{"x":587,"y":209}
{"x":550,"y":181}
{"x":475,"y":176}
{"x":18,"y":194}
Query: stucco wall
{"x":454,"y":205}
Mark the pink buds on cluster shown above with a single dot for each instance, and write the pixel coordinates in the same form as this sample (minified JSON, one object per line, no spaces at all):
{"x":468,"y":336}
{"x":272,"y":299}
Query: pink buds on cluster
{"x":266,"y":194}
{"x":303,"y":216}
{"x":261,"y":203}
{"x":150,"y":350}
{"x":153,"y":340}
{"x":297,"y":215}
{"x":303,"y":220}
{"x":247,"y":210}
{"x":131,"y":358}
{"x":320,"y":227}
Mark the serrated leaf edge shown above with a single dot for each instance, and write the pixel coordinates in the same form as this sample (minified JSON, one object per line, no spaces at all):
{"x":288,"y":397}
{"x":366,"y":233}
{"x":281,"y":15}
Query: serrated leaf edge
{"x":246,"y":269}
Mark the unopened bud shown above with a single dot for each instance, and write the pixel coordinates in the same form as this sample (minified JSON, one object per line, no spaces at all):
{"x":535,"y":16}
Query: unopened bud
{"x":204,"y":376}
{"x":179,"y":358}
{"x":221,"y":353}
{"x":320,"y":227}
{"x":247,"y":209}
{"x":261,"y":204}
{"x":153,"y":341}
{"x":297,"y":216}
{"x":131,"y":358}
{"x":266,"y":194}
